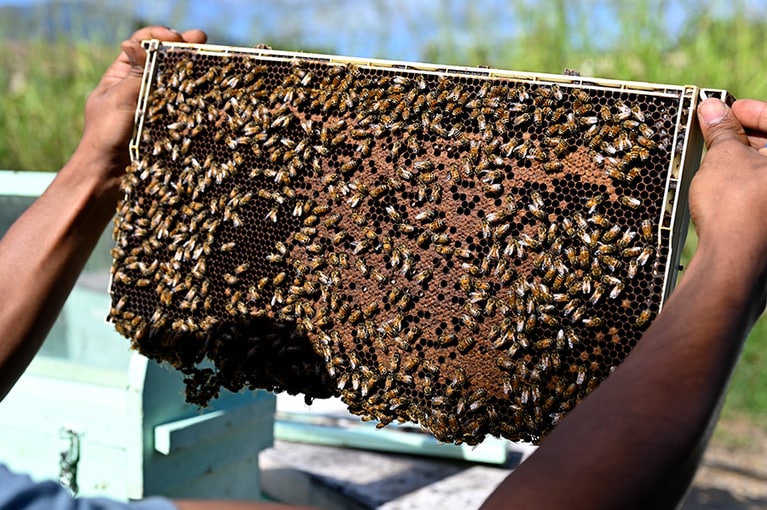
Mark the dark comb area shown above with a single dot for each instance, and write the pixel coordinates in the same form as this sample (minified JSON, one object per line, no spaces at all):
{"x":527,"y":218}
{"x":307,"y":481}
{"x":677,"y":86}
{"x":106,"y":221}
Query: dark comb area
{"x":471,"y":252}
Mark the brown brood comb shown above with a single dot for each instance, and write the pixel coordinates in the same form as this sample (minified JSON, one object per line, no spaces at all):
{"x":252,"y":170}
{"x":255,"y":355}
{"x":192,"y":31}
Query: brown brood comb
{"x":470,"y":249}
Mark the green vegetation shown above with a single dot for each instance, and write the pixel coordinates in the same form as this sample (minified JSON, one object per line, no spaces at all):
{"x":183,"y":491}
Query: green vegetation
{"x":41,"y":111}
{"x":45,"y":84}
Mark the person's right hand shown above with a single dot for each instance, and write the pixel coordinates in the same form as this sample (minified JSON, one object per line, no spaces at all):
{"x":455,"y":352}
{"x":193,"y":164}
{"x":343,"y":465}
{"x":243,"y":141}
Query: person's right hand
{"x":728,"y":195}
{"x":111,"y":107}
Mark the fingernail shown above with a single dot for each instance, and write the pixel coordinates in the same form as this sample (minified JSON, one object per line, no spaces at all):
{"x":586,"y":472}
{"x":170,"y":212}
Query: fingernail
{"x":712,"y":111}
{"x":173,"y":30}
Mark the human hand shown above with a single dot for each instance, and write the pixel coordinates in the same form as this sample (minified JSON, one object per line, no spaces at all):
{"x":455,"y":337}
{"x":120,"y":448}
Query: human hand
{"x":110,"y":108}
{"x":727,"y":196}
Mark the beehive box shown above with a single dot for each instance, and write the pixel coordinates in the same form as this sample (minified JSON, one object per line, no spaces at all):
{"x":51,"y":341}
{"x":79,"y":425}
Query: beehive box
{"x":107,"y":422}
{"x":469,"y":249}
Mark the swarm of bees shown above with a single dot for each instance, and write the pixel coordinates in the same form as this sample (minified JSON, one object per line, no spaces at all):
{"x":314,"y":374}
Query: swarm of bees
{"x":471,"y":253}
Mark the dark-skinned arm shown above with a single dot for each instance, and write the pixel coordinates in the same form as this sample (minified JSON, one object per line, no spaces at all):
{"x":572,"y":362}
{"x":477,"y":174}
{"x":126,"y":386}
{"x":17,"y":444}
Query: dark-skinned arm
{"x":636,"y":441}
{"x":44,"y":251}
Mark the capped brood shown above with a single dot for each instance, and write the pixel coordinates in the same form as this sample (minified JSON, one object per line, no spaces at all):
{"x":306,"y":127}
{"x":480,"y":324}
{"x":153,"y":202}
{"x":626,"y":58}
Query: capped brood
{"x":469,"y":249}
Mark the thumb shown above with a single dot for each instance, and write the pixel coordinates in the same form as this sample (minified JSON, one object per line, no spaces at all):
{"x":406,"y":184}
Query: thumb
{"x":718,"y":123}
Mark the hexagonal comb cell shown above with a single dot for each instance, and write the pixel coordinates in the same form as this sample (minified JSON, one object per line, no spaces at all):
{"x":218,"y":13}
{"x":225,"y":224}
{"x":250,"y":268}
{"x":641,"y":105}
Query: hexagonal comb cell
{"x":469,"y":249}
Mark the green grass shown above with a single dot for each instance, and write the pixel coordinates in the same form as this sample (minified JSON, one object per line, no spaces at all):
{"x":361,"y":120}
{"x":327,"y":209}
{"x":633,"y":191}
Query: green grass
{"x":41,"y":111}
{"x":45,"y":86}
{"x":748,"y":390}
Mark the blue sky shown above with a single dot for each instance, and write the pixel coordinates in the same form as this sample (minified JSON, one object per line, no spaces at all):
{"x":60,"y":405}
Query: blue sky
{"x":394,"y":29}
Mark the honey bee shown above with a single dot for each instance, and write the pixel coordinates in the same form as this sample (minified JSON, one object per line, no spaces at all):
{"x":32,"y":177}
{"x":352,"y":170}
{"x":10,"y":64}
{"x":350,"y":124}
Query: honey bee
{"x":538,"y":155}
{"x":379,"y":190}
{"x":361,"y":246}
{"x":648,"y":230}
{"x":410,"y":364}
{"x":637,"y":151}
{"x":643,"y":257}
{"x":611,"y":234}
{"x":386,"y":244}
{"x":646,"y":142}
{"x":490,"y":176}
{"x":634,"y":251}
{"x":592,"y":322}
{"x":437,"y":226}
{"x":396,"y":149}
{"x":608,"y":148}
{"x":413,"y":145}
{"x":522,"y":119}
{"x":615,"y":173}
{"x":464,"y":346}
{"x":643,"y":317}
{"x":553,"y":166}
{"x":272,"y":215}
{"x":446,"y":339}
{"x":492,"y":189}
{"x":423,"y":239}
{"x":424,"y":165}
{"x":278,"y":279}
{"x":625,"y":239}
{"x":377,"y":276}
{"x":340,"y":236}
{"x":332,"y":220}
{"x":361,"y":266}
{"x":454,"y":173}
{"x":423,"y":276}
{"x":605,"y":249}
{"x":311,"y":221}
{"x":637,"y":113}
{"x":593,"y":202}
{"x":536,"y":206}
{"x":435,"y":193}
{"x":583,"y":257}
{"x":631,"y":202}
{"x":302,"y":238}
{"x":402,"y":344}
{"x":632,"y":174}
{"x":611,"y":262}
{"x":344,"y":310}
{"x":355,"y":316}
{"x":369,"y":233}
{"x":349,"y":166}
{"x":371,"y":309}
{"x":404,"y":301}
{"x":616,"y":291}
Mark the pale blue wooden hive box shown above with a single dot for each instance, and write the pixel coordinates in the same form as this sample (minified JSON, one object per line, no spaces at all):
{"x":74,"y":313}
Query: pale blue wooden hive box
{"x":137,"y":437}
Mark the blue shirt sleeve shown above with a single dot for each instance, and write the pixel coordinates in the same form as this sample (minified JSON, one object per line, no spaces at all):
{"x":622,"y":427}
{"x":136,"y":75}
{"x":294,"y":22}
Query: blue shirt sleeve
{"x":19,"y":492}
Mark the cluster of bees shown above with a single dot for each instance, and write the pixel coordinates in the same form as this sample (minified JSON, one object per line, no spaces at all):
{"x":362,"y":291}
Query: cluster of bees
{"x":472,"y":254}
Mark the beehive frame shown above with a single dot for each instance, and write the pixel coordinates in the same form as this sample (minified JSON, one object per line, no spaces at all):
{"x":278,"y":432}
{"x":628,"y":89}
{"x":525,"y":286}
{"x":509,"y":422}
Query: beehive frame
{"x":470,"y":249}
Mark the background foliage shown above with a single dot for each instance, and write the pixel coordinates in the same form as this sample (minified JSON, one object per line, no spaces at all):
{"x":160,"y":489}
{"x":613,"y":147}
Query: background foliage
{"x":46,"y":77}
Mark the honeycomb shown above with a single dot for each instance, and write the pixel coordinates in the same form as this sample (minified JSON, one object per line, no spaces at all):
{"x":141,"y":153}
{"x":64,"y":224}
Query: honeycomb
{"x":467,"y":249}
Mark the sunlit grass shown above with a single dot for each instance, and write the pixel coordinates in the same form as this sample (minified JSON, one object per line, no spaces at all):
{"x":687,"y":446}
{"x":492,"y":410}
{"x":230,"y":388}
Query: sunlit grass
{"x":41,"y":110}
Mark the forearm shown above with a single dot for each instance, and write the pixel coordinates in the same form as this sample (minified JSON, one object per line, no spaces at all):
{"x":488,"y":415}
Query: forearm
{"x":42,"y":254}
{"x":639,"y":435}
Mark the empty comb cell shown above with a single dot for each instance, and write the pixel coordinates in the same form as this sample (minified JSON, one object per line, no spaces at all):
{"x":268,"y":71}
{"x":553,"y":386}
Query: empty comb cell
{"x":472,"y":250}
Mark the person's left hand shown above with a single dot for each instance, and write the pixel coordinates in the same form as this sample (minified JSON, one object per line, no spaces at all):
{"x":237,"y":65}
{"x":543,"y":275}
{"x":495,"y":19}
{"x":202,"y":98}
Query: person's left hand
{"x":111,"y":107}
